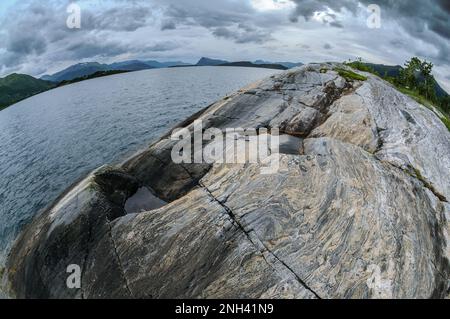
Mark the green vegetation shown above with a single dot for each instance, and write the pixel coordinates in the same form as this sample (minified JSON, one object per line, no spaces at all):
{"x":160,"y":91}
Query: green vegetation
{"x":415,"y":80}
{"x":446,"y":121}
{"x":349,"y":75}
{"x":17,"y":87}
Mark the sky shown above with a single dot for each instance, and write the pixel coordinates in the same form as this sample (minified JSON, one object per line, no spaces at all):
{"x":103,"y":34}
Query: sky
{"x":35,"y":38}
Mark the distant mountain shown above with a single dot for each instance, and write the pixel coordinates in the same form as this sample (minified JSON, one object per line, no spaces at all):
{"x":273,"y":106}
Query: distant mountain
{"x":81,"y":70}
{"x":210,"y":62}
{"x":288,"y":65}
{"x":159,"y":65}
{"x":16,"y":87}
{"x":132,"y":65}
{"x":440,"y":92}
{"x":389,"y":70}
{"x":253,"y":65}
{"x":258,"y":63}
{"x":75,"y":71}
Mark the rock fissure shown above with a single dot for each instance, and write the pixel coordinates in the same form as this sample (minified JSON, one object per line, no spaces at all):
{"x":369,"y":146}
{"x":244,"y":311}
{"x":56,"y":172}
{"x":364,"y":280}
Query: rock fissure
{"x":86,"y":256}
{"x":266,"y":249}
{"x":415,"y":173}
{"x":119,"y":261}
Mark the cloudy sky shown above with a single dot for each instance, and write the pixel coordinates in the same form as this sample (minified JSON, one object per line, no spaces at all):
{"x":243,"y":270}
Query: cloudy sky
{"x":35,"y":39}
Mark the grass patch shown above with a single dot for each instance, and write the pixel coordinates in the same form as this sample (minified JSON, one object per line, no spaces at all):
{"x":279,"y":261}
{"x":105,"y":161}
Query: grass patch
{"x":415,"y":96}
{"x":350,"y":75}
{"x":446,"y":121}
{"x":358,"y":65}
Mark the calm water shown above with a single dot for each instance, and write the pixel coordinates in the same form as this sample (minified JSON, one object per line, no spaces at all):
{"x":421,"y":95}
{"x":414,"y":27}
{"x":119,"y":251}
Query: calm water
{"x":52,"y":139}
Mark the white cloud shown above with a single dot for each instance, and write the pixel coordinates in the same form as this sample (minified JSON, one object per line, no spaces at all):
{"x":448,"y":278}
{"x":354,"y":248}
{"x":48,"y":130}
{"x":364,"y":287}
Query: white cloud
{"x":270,"y":5}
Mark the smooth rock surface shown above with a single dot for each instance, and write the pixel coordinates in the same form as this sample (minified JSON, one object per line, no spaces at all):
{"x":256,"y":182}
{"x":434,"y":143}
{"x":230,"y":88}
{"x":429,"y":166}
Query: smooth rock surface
{"x":357,"y":209}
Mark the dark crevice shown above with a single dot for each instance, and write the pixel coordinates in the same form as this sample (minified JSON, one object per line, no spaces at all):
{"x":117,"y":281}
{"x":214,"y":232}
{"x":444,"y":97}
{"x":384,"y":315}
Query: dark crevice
{"x":116,"y":254}
{"x":86,"y":256}
{"x":379,"y":130}
{"x":414,"y":172}
{"x":380,"y":142}
{"x":247,"y":234}
{"x":228,"y":117}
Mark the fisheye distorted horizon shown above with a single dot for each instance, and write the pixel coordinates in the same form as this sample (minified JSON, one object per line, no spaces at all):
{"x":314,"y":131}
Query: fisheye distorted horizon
{"x":35,"y":40}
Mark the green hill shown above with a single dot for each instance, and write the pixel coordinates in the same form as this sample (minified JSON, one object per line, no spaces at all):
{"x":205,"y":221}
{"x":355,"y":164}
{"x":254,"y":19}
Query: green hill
{"x":16,"y":87}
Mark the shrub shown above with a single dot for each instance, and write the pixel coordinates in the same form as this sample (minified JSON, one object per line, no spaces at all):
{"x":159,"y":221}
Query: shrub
{"x":350,"y":75}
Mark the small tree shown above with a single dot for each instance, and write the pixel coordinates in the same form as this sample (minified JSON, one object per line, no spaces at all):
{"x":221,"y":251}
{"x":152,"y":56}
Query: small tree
{"x":409,"y":74}
{"x":427,"y":87}
{"x":417,"y":76}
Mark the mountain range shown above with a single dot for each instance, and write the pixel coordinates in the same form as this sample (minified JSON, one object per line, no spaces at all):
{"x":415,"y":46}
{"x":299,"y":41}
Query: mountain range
{"x":16,"y":87}
{"x":85,"y":69}
{"x":258,"y":63}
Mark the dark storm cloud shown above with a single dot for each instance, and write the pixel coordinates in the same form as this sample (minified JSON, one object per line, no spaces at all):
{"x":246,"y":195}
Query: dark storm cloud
{"x":168,"y":25}
{"x":205,"y":16}
{"x":117,"y":19}
{"x":22,"y":43}
{"x":93,"y":47}
{"x":162,"y":46}
{"x":236,"y":21}
{"x":445,"y":5}
{"x":425,"y":20}
{"x":33,"y":28}
{"x":336,"y":24}
{"x":307,"y":8}
{"x":242,"y":34}
{"x":432,"y":14}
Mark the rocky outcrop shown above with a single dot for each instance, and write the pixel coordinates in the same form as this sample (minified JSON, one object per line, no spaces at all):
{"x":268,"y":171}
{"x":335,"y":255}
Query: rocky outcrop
{"x":357,"y":209}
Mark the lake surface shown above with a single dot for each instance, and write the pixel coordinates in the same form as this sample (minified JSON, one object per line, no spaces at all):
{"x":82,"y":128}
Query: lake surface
{"x":50,"y":140}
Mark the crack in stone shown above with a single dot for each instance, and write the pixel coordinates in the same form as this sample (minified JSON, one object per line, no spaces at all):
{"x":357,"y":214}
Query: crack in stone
{"x":86,"y":256}
{"x":119,"y":262}
{"x":247,"y":234}
{"x":417,"y":176}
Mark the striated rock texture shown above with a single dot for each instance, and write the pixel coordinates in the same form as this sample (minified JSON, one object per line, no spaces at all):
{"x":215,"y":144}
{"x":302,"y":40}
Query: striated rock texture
{"x":358,"y":208}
